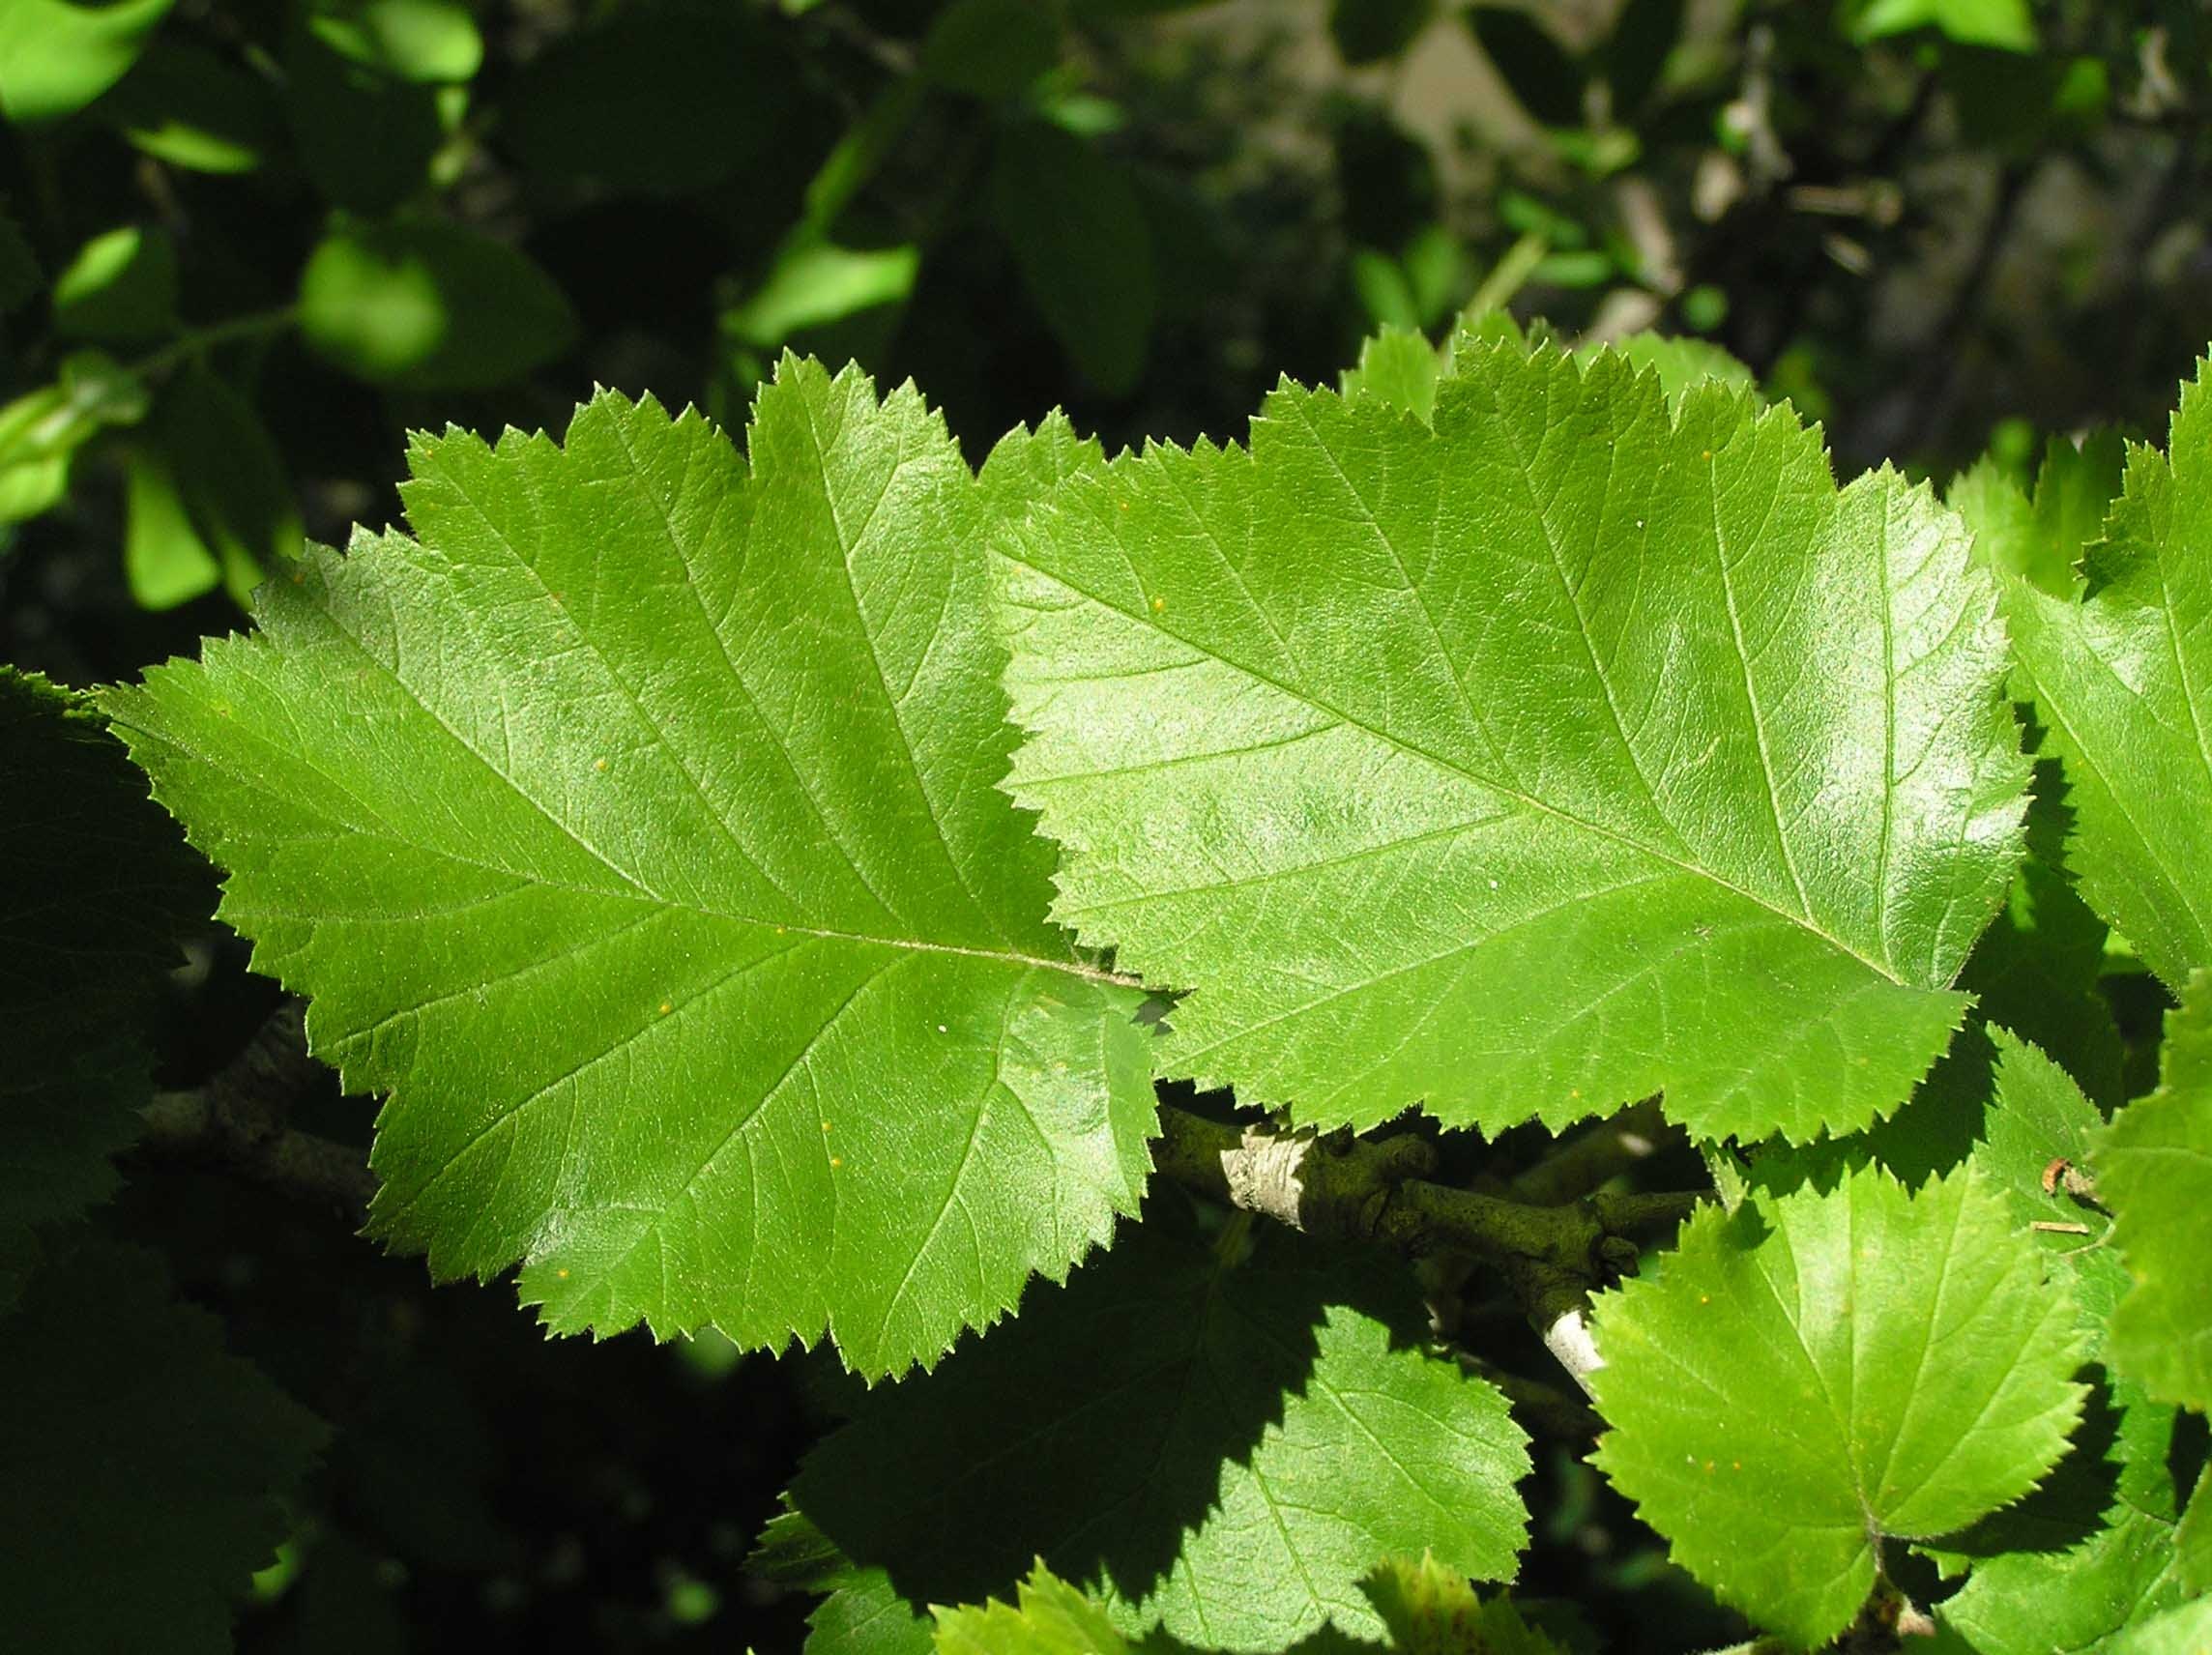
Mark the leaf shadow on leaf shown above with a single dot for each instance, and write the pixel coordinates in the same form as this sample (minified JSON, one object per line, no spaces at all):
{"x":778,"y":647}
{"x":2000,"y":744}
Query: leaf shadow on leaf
{"x":1094,"y":1430}
{"x":1934,"y":1132}
{"x":2068,"y":1507}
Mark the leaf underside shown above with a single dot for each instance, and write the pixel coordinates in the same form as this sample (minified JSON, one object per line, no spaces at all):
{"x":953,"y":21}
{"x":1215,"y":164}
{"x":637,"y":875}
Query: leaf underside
{"x":633,"y":825}
{"x":1569,"y":751}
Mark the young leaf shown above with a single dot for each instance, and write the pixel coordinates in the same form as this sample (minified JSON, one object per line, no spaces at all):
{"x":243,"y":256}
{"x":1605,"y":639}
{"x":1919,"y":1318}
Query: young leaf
{"x":1812,"y":1374}
{"x":1429,"y":1610}
{"x":1399,"y":366}
{"x":1573,"y":751}
{"x":2154,"y":1174}
{"x":634,"y":826}
{"x":1050,"y":1618}
{"x":1222,"y":1449}
{"x":140,"y":1466}
{"x":2119,"y":676}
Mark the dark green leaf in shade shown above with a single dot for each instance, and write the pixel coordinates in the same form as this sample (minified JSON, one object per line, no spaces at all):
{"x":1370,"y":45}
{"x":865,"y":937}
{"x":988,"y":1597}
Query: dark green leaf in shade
{"x":2154,"y":1174}
{"x":654,"y":99}
{"x":120,"y":288}
{"x":1472,"y":766}
{"x":430,"y":304}
{"x":991,"y":48}
{"x":1812,"y":1373}
{"x":365,"y":136}
{"x":57,"y":56}
{"x":140,"y":1466}
{"x":1220,"y":1449}
{"x":1635,"y":55}
{"x":95,"y":889}
{"x":184,"y":105}
{"x":635,"y":826}
{"x":862,"y":1612}
{"x":2036,"y":971}
{"x":1079,"y":241}
{"x":1537,"y":69}
{"x":1368,"y":31}
{"x":20,"y":278}
{"x":232,"y":483}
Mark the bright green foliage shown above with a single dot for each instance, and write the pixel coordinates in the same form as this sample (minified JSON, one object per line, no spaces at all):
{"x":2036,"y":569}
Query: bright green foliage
{"x":2118,"y":670}
{"x":2185,"y":1631}
{"x":57,"y":55}
{"x":120,"y":288}
{"x":1812,"y":1374}
{"x":2002,"y":23}
{"x":140,"y":1466}
{"x":2038,"y":1117}
{"x":1399,"y":366}
{"x":1222,"y":1449}
{"x":94,"y":887}
{"x":1572,"y":751}
{"x":634,"y":826}
{"x":2154,"y":1174}
{"x":2193,"y":1540}
{"x":1682,"y":362}
{"x":1429,"y":1610}
{"x":1051,"y":1617}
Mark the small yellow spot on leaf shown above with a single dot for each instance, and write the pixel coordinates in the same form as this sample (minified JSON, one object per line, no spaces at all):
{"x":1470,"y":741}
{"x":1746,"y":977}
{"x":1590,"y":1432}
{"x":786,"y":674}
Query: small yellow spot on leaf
{"x":563,"y":1274}
{"x":836,"y":1160}
{"x":1705,"y":1298}
{"x":826,"y":1127}
{"x":598,"y":763}
{"x":666,"y":1006}
{"x":1159,"y":605}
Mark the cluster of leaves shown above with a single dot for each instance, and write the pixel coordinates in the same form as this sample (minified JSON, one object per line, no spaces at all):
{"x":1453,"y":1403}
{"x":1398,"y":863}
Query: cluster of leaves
{"x":766,"y":888}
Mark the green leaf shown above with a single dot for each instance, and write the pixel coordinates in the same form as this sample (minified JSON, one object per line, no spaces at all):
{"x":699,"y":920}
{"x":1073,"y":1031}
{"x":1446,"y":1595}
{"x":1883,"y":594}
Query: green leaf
{"x":817,"y":283}
{"x":140,"y":1466}
{"x":184,"y":105}
{"x":634,"y":826}
{"x":42,"y":430}
{"x":95,"y":888}
{"x":1368,"y":31}
{"x":654,"y":99}
{"x":431,"y":305}
{"x":2154,"y":1175}
{"x":2002,"y":23}
{"x":2193,"y":1540}
{"x":2183,"y":1631}
{"x":1051,"y":1618}
{"x":56,"y":57}
{"x":1222,"y":1449}
{"x":2118,"y":675}
{"x":991,"y":48}
{"x":1545,"y":80}
{"x":2037,"y":1118}
{"x":863,"y":1612}
{"x":1079,"y":241}
{"x":1399,"y":367}
{"x":435,"y":41}
{"x":1477,"y":769}
{"x":2036,"y":970}
{"x":120,"y":288}
{"x":232,"y":480}
{"x":165,"y":560}
{"x":1682,"y":361}
{"x":1812,"y":1374}
{"x":365,"y":136}
{"x":1429,"y":1610}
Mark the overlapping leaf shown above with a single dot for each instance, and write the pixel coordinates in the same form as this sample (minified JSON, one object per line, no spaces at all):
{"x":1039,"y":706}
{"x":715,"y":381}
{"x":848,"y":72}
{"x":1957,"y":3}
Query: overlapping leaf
{"x":2154,"y":1171}
{"x":1220,"y":1450}
{"x":635,"y":826}
{"x":1047,"y":1617}
{"x":94,"y":889}
{"x":1573,"y":750}
{"x":140,"y":1466}
{"x":1813,"y":1373}
{"x":2120,"y":664}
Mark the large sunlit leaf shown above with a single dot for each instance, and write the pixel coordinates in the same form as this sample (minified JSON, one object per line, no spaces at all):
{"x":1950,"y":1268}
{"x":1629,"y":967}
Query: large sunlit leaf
{"x":1221,"y":1448}
{"x":1812,"y":1374}
{"x":1573,"y":750}
{"x":634,"y":826}
{"x":2154,"y":1172}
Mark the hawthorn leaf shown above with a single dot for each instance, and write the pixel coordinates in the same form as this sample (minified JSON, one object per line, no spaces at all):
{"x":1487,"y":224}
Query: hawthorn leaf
{"x":95,"y":888}
{"x":1220,"y":1448}
{"x":2036,"y":971}
{"x":1429,"y":1610}
{"x":1399,"y":366}
{"x":2184,"y":1631}
{"x":2118,"y":665}
{"x":2193,"y":1539}
{"x":141,"y":1467}
{"x":861,"y":1612}
{"x":634,"y":827}
{"x":1049,"y":1618}
{"x":2154,"y":1174}
{"x":1573,"y":750}
{"x":1812,"y":1374}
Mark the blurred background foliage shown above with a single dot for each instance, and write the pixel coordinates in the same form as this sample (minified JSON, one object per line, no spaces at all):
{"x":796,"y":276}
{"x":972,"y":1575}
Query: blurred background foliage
{"x":245,"y":245}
